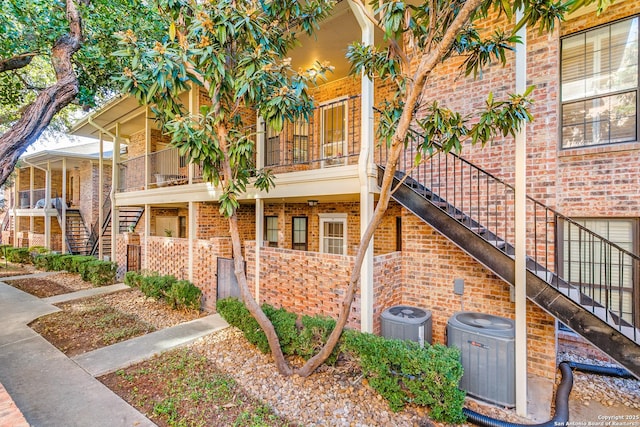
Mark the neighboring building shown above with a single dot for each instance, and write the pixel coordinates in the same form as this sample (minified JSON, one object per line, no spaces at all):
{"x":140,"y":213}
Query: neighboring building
{"x":452,"y":220}
{"x":56,"y":198}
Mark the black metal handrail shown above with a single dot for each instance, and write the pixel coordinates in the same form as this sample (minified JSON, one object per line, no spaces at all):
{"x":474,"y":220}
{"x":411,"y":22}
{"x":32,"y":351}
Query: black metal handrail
{"x":94,"y":237}
{"x":315,"y":143}
{"x":561,"y":251}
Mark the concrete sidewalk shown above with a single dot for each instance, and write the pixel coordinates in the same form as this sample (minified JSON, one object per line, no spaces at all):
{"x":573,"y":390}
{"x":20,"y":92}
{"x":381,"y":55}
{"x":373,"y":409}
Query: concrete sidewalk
{"x":51,"y":389}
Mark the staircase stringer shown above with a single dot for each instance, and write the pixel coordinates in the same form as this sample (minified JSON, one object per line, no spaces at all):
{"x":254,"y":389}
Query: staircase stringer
{"x":595,"y":330}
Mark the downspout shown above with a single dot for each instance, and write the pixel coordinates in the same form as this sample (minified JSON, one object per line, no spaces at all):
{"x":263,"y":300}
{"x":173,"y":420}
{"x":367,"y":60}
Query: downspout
{"x":114,"y":175}
{"x":366,"y":185}
{"x":521,"y":231}
{"x":47,"y":200}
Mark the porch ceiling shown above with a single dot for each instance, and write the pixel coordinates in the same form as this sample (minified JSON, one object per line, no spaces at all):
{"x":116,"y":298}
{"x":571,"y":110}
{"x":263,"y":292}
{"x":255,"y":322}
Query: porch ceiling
{"x":331,"y":41}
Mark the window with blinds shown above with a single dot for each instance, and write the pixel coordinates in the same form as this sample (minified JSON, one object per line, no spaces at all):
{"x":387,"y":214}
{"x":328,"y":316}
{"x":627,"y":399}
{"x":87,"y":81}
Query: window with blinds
{"x":271,"y":231}
{"x":605,"y":275}
{"x":599,"y":85}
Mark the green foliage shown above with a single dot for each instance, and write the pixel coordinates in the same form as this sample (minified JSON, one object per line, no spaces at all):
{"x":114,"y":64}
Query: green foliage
{"x":32,"y":27}
{"x":19,"y":255}
{"x":133,"y":279}
{"x":237,"y":53}
{"x":46,"y":262}
{"x":184,"y":294}
{"x":314,"y":333}
{"x":177,"y":293}
{"x":156,"y":286}
{"x":73,"y":263}
{"x":285,"y":326}
{"x":36,"y":250}
{"x":98,"y":272}
{"x":403,"y":372}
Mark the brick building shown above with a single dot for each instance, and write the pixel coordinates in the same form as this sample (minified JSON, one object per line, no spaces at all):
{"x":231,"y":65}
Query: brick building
{"x":56,"y":198}
{"x":447,"y":222}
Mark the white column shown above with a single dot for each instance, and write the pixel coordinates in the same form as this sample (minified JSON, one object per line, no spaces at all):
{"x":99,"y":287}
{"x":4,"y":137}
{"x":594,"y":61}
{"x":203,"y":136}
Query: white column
{"x":32,"y":202}
{"x":147,"y":147}
{"x":192,"y":237}
{"x":115,"y":178}
{"x":521,"y":234}
{"x":259,"y":243}
{"x":47,"y":206}
{"x":63,"y":215}
{"x":100,"y":195}
{"x":16,"y":202}
{"x":147,"y":226}
{"x":367,"y":296}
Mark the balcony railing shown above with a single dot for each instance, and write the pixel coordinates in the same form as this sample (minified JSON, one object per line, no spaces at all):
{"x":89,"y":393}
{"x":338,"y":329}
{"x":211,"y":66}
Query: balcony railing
{"x":132,"y":176}
{"x":27,"y":201}
{"x":331,"y":137}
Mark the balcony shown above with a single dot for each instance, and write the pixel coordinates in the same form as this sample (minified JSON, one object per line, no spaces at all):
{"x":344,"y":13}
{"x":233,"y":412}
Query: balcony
{"x":330,"y":138}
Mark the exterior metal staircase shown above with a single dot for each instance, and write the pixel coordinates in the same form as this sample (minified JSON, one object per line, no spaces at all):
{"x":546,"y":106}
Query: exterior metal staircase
{"x":475,"y":211}
{"x":127,"y":215}
{"x":77,"y":235}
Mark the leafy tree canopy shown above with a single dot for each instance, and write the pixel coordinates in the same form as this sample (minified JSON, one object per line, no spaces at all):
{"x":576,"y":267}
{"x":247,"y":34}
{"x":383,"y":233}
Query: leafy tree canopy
{"x":38,"y":38}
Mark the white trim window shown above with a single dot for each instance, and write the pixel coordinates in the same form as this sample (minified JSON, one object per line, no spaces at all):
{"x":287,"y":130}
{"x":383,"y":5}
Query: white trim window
{"x":333,"y":132}
{"x":333,"y":234}
{"x":599,"y":85}
{"x":602,"y":274}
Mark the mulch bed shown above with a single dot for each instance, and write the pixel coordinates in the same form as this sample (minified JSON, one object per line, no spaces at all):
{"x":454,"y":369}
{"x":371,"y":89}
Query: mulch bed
{"x":39,"y":287}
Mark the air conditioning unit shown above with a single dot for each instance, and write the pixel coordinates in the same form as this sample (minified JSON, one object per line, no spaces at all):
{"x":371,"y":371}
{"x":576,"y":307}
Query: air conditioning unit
{"x":406,"y":323}
{"x":487,"y":353}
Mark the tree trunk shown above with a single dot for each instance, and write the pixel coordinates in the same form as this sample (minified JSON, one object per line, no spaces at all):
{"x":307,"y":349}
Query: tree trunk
{"x":238,"y":264}
{"x":49,"y":102}
{"x":397,"y":145}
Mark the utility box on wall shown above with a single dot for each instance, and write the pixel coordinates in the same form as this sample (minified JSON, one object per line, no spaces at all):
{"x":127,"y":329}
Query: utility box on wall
{"x":487,"y":353}
{"x":406,"y":323}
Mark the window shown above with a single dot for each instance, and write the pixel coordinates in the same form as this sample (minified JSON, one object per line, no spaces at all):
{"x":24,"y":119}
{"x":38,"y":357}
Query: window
{"x":272,"y":148}
{"x":300,"y":141}
{"x":271,"y":230}
{"x":599,"y":85}
{"x":183,"y":226}
{"x":333,"y":233}
{"x":603,"y":274}
{"x":299,"y":233}
{"x":334,"y":133}
{"x":398,"y":233}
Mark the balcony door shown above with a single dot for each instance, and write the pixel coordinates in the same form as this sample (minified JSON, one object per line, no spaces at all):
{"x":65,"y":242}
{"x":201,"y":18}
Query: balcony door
{"x":334,"y":133}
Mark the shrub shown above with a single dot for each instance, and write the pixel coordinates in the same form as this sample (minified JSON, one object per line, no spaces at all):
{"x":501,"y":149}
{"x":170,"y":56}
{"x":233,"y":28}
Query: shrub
{"x":403,"y":372}
{"x":46,"y":262}
{"x":37,"y":250}
{"x":133,"y":279}
{"x":184,"y":294}
{"x":98,"y":272}
{"x":73,"y":263}
{"x":285,"y":326}
{"x":156,"y":286}
{"x":63,"y":262}
{"x":236,"y":314}
{"x":314,"y":333}
{"x":19,"y":255}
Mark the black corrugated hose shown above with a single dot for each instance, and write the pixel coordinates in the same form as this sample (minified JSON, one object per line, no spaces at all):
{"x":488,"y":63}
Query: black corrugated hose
{"x":610,"y":371}
{"x":560,"y":418}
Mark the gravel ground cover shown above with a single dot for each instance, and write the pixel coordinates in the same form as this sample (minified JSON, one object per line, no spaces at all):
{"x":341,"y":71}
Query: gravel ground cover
{"x":333,"y":396}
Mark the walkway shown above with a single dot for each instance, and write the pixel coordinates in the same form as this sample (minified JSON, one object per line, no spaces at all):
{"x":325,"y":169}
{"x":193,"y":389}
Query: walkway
{"x":53,"y":390}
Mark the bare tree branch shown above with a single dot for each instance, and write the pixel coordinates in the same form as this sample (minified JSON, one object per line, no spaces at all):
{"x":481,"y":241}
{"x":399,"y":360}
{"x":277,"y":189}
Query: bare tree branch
{"x":50,"y":101}
{"x":16,"y":62}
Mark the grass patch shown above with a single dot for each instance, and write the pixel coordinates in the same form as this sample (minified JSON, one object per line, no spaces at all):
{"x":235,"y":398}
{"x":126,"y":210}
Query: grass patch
{"x":181,"y":388}
{"x":82,"y":326}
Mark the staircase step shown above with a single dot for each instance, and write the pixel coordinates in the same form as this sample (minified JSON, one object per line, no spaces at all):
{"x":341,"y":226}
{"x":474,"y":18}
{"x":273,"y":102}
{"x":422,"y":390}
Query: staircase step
{"x":500,"y":244}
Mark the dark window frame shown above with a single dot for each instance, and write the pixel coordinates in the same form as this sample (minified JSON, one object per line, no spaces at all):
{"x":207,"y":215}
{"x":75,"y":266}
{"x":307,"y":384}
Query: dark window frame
{"x":296,"y":245}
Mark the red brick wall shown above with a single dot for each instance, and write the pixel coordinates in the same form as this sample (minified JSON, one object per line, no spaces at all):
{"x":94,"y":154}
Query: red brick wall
{"x":314,"y":282}
{"x":430,"y":263}
{"x":387,"y":284}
